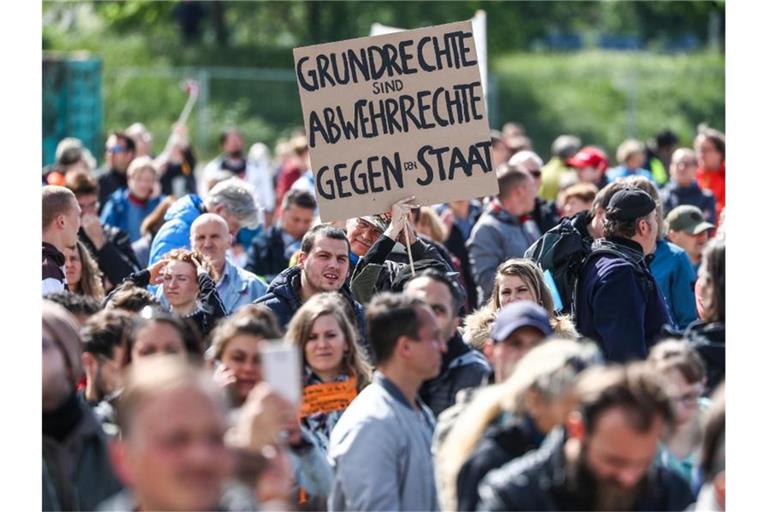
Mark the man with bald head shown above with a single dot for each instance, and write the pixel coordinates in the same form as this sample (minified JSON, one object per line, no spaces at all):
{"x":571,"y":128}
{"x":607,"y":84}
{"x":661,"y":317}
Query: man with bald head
{"x":210,"y":235}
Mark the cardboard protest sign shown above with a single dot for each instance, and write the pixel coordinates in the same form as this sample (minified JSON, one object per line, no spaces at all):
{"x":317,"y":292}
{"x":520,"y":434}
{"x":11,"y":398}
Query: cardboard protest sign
{"x":395,"y":115}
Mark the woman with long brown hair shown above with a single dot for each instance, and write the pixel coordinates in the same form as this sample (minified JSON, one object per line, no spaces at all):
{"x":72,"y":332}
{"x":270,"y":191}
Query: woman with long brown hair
{"x":83,"y":274}
{"x":334,"y":372}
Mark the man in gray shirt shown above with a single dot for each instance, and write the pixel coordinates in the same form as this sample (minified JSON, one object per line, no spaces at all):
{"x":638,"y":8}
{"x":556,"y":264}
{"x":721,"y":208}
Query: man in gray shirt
{"x":380,"y":448}
{"x":505,"y":230}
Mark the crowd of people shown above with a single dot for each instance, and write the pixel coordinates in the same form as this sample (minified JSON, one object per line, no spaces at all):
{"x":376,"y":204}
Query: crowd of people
{"x":557,"y":346}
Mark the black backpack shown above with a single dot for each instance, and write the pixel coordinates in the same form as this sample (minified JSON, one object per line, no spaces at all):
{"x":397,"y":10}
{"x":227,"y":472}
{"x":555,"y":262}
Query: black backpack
{"x":561,"y":251}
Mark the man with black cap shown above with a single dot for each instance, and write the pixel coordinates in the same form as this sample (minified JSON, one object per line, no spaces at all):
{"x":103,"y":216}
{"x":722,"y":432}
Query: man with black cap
{"x":618,"y":302}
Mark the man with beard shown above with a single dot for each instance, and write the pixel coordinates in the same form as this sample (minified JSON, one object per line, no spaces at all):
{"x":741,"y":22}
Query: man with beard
{"x":602,"y":459}
{"x":323,"y":267}
{"x":104,"y":338}
{"x":462,"y":367}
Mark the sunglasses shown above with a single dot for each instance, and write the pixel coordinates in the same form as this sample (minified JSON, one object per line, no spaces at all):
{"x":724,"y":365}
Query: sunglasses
{"x":535,"y":173}
{"x":115,"y":149}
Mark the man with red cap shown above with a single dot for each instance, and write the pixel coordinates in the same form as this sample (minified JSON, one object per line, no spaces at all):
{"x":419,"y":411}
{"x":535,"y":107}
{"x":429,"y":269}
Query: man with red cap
{"x":590,"y":164}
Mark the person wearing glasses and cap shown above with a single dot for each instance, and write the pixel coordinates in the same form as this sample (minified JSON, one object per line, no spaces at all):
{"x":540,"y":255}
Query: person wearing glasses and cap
{"x":120,"y":150}
{"x":618,"y":302}
{"x":376,"y":254}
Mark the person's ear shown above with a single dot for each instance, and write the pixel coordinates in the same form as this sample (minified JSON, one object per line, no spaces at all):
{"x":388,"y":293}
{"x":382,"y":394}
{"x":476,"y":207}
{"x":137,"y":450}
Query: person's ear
{"x":574,"y":424}
{"x":301,"y":258}
{"x":89,"y":362}
{"x":488,"y":350}
{"x":403,"y":347}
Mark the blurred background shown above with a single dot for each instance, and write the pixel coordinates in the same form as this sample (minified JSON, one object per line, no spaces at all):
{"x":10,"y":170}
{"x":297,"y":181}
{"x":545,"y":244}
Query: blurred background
{"x":603,"y":70}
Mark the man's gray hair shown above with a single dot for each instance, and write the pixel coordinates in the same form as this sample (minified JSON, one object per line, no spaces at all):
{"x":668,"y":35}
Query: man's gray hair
{"x":238,"y":198}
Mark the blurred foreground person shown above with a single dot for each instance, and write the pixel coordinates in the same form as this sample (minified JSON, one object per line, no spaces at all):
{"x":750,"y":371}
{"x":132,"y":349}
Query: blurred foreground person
{"x":76,"y":471}
{"x":172,"y":454}
{"x":504,"y":422}
{"x":683,"y":370}
{"x":603,"y":459}
{"x":712,"y":493}
{"x":708,"y":333}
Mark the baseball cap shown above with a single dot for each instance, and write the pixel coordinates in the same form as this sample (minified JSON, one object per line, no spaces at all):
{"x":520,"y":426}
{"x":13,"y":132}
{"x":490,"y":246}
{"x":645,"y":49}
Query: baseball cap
{"x":629,"y":204}
{"x":379,"y":221}
{"x":689,"y":219}
{"x":589,"y":156}
{"x":519,"y":314}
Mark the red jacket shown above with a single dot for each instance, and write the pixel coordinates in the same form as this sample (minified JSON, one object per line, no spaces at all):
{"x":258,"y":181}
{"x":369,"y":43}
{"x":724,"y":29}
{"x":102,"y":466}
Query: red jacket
{"x":715,"y":182}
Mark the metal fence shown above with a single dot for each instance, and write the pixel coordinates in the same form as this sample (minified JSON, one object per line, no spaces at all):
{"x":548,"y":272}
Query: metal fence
{"x":263,"y":103}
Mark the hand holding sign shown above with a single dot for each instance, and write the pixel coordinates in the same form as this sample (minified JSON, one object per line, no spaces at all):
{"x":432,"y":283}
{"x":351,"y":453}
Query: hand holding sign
{"x":393,"y":115}
{"x":399,"y":222}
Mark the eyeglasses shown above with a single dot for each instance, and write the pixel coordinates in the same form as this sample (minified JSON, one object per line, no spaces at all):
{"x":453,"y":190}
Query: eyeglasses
{"x":115,"y":149}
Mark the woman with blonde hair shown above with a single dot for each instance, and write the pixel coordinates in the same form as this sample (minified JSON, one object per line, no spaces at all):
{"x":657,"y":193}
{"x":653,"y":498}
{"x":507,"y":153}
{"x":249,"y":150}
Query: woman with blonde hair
{"x":334,"y":372}
{"x":507,"y":420}
{"x":83,"y":274}
{"x":521,"y":279}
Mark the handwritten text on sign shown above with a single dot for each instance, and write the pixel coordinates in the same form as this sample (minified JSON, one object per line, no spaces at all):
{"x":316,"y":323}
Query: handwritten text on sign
{"x":395,"y":115}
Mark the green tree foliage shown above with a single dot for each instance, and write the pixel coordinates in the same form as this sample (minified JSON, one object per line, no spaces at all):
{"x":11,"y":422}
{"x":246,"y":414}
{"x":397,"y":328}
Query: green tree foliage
{"x":602,"y":96}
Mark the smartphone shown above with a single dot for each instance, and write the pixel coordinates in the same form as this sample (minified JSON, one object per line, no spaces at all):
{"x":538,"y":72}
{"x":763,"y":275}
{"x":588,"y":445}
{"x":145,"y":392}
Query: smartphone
{"x":282,"y":369}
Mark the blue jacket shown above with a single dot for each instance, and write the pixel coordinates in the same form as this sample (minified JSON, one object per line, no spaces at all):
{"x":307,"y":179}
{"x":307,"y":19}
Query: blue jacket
{"x":283,"y":299}
{"x":174,"y":233}
{"x":127,"y":215}
{"x":673,"y":195}
{"x":618,"y":303}
{"x":675,"y":276}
